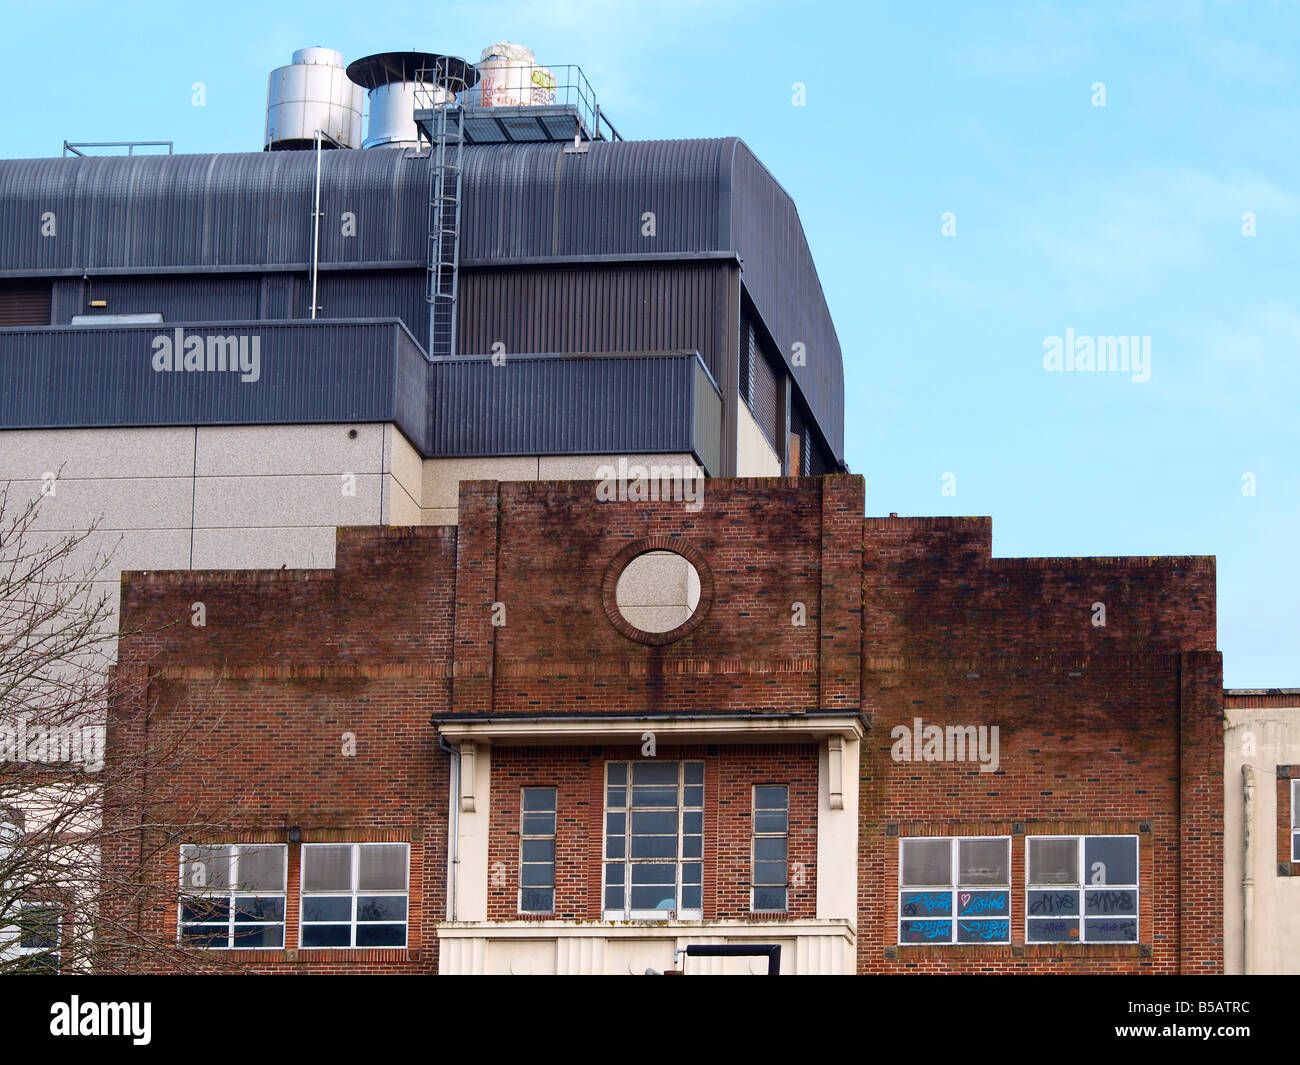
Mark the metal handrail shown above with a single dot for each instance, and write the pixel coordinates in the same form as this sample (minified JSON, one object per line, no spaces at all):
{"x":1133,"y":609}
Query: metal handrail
{"x":569,"y":88}
{"x":74,"y":147}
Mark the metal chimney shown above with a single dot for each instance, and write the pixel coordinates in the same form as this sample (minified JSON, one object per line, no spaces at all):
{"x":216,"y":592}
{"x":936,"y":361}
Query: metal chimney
{"x":312,"y":93}
{"x":390,"y":78}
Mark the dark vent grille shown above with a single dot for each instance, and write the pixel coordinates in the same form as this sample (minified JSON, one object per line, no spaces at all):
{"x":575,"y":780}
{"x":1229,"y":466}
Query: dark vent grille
{"x":25,"y":303}
{"x":758,"y":379}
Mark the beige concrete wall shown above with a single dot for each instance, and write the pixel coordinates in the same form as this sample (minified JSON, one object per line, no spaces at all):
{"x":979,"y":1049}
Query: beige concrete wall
{"x":1262,"y":738}
{"x":754,"y":455}
{"x":215,"y":497}
{"x":608,"y":948}
{"x":442,"y":477}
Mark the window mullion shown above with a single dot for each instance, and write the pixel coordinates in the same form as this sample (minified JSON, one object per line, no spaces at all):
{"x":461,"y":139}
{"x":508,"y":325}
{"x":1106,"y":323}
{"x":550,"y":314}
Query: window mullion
{"x":356,"y":884}
{"x":681,"y":825}
{"x":234,"y":883}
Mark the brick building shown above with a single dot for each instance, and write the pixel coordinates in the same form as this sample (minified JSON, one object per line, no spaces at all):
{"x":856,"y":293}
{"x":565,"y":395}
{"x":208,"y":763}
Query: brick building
{"x":467,"y":749}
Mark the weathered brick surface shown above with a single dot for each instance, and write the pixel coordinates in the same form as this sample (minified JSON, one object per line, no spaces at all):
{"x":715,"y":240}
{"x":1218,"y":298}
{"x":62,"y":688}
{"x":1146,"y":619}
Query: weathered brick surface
{"x":766,"y":548}
{"x":1101,"y":729}
{"x":286,"y":664}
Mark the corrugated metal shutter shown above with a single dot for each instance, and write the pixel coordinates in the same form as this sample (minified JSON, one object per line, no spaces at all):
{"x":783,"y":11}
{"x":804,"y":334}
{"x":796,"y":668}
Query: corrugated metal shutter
{"x":747,"y":345}
{"x":764,"y":403}
{"x":25,"y":303}
{"x":758,"y":379}
{"x":597,"y":308}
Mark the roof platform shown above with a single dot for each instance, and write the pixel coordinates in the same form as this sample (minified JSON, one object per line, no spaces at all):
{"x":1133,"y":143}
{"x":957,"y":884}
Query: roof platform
{"x":515,"y":125}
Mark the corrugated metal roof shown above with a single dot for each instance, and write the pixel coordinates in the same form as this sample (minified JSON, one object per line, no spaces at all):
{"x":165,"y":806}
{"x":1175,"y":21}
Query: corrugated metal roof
{"x":522,"y":204}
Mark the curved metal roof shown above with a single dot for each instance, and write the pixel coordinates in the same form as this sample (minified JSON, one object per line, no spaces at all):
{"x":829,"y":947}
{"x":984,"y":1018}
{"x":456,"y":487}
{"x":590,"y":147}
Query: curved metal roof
{"x":521,"y":204}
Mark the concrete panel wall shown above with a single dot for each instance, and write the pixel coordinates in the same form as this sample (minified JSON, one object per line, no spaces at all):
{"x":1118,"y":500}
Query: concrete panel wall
{"x":442,"y":477}
{"x":213,"y":497}
{"x":1263,"y":738}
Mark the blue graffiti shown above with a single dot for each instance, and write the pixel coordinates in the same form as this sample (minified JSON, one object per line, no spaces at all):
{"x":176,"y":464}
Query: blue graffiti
{"x":928,"y":930}
{"x":989,"y":902}
{"x":917,"y":903}
{"x":986,"y":930}
{"x":1112,"y":930}
{"x":1053,"y":931}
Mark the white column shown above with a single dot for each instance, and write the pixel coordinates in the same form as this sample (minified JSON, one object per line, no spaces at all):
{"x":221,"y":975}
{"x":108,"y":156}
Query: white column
{"x":837,"y":830}
{"x":476,"y":794}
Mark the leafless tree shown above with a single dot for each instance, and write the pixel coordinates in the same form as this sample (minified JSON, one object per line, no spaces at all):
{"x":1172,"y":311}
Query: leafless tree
{"x":65,"y":804}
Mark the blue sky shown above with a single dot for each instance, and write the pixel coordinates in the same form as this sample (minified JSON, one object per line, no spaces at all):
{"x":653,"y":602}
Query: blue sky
{"x":1122,"y":219}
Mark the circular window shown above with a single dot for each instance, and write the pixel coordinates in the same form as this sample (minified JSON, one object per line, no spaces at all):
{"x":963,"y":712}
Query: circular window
{"x":657,"y":590}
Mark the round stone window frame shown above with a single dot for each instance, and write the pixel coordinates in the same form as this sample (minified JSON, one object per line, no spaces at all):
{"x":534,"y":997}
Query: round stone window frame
{"x":644,"y":546}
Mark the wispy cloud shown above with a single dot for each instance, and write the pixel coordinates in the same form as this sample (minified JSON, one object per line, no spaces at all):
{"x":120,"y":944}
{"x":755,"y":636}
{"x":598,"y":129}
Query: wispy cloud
{"x":1151,"y":224}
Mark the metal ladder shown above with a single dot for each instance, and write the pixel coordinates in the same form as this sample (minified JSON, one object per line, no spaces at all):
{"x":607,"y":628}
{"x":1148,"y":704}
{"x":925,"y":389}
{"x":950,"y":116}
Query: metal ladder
{"x":444,"y":222}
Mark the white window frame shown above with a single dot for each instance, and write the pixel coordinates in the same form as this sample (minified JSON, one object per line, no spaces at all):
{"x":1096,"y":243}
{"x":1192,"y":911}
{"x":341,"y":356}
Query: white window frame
{"x":353,"y":894}
{"x":627,"y":913}
{"x":524,"y":836}
{"x":11,"y":938}
{"x":953,"y":889}
{"x":1083,"y":885}
{"x":230,"y":894}
{"x":754,"y":837}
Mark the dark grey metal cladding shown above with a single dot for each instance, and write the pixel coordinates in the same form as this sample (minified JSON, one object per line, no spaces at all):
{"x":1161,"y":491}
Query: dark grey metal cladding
{"x":568,"y":307}
{"x":782,"y":282}
{"x":179,"y":298}
{"x":340,"y":371}
{"x":524,"y":204}
{"x":708,"y":419}
{"x":332,"y":370}
{"x":569,"y":405}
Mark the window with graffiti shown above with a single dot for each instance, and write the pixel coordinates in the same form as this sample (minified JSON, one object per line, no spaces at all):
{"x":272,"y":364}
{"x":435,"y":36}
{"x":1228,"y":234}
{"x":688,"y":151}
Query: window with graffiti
{"x":1081,"y":889}
{"x":954,"y":890}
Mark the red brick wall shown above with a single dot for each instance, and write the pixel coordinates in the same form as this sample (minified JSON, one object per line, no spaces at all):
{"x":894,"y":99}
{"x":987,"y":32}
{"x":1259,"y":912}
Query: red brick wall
{"x":1285,"y":775}
{"x":932,"y":589}
{"x":287,"y":663}
{"x":934,"y":628}
{"x":1101,"y":730}
{"x":578,"y":776}
{"x":542,"y":549}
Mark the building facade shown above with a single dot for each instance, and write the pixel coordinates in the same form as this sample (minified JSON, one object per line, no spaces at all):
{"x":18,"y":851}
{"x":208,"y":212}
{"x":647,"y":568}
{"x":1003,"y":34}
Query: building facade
{"x":865,"y":740}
